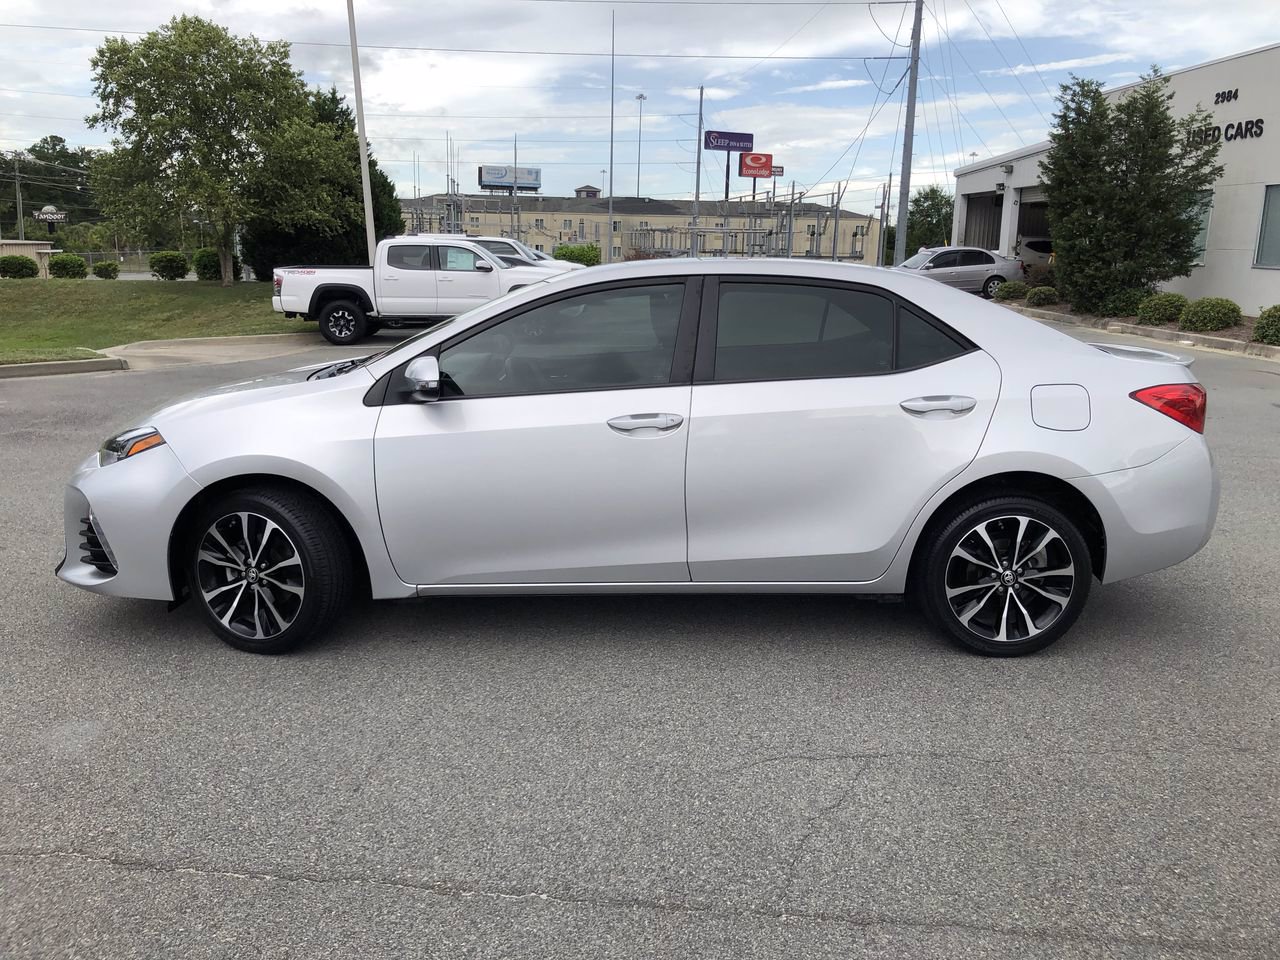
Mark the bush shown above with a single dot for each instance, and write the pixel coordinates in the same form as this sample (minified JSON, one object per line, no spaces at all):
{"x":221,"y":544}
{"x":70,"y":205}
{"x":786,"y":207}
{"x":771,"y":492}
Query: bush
{"x":1123,"y":303}
{"x":1267,"y":329}
{"x":106,"y":270}
{"x":1011,"y":290}
{"x":68,"y":266}
{"x":1041,"y":296}
{"x":1210,"y":313}
{"x":1041,"y":275}
{"x":1161,"y":308}
{"x":206,"y":264}
{"x":587,"y":254}
{"x":18,"y":267}
{"x":168,"y":265}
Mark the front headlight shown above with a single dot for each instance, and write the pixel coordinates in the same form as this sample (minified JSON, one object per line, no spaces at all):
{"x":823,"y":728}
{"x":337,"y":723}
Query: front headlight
{"x":127,"y":444}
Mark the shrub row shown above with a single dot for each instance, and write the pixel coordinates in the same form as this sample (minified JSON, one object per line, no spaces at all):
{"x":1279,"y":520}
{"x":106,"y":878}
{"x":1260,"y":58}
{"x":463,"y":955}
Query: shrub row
{"x":1011,"y":290}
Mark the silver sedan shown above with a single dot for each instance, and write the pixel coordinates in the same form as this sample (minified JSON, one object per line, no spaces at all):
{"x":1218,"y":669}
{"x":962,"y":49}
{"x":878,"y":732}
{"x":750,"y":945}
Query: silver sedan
{"x":668,"y":427}
{"x":965,"y":268}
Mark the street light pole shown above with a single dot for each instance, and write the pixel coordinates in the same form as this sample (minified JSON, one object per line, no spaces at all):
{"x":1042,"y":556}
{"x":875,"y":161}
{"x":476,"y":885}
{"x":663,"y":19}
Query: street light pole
{"x":640,"y":99}
{"x":608,"y":253}
{"x":370,"y":238}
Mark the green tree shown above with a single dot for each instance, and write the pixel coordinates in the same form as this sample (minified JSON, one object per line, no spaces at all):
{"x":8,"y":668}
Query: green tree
{"x":1127,"y":185}
{"x":929,"y":218}
{"x":267,"y":245}
{"x":202,"y":119}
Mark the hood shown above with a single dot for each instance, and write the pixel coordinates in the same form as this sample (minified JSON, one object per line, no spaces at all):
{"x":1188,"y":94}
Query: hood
{"x":257,"y":390}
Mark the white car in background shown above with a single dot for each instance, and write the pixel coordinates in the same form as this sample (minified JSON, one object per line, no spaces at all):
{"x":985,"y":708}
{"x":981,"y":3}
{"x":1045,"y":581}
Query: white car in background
{"x":415,"y":279}
{"x":510,"y":247}
{"x":669,"y":426}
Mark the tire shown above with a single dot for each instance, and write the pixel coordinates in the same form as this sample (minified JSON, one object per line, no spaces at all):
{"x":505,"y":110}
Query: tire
{"x":989,"y":287}
{"x":1004,"y":620}
{"x":300,"y":583}
{"x":343,"y":322}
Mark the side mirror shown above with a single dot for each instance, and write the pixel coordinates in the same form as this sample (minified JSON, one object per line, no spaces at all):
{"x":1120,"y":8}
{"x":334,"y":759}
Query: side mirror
{"x":927,"y":266}
{"x":424,"y":374}
{"x":484,"y":266}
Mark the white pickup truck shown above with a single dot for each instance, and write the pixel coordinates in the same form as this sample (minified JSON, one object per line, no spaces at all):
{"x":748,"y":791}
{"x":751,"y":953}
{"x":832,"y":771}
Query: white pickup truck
{"x":414,"y":279}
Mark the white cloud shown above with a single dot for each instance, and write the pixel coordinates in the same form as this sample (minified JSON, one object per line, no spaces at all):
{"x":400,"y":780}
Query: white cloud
{"x":1076,"y":63}
{"x":826,"y":85}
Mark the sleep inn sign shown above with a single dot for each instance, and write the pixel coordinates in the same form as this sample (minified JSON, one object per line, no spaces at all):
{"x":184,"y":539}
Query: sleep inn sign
{"x":1000,"y":201}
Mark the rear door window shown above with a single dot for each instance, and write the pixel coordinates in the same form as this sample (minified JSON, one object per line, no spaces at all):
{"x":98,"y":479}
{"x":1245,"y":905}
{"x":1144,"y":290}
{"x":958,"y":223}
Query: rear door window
{"x":776,"y":331}
{"x":975,"y":258}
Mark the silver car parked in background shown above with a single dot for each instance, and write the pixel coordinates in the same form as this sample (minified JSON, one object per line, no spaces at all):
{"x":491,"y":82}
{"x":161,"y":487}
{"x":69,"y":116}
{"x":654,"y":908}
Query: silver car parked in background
{"x":965,"y":268}
{"x":668,"y":426}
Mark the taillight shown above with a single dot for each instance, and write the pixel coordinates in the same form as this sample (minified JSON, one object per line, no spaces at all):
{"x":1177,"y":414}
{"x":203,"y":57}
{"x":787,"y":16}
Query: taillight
{"x":276,"y":281}
{"x":1184,"y":402}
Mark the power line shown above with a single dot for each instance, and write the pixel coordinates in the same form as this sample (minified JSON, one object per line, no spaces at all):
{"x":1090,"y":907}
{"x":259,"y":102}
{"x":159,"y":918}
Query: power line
{"x":1012,"y":72}
{"x":798,"y":31}
{"x":960,"y":113}
{"x":1024,"y":48}
{"x":861,"y":138}
{"x":480,"y":50}
{"x":956,"y":49}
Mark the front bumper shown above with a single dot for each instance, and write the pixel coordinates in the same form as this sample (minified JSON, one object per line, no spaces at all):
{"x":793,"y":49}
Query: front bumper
{"x":134,"y":505}
{"x":1158,"y":514}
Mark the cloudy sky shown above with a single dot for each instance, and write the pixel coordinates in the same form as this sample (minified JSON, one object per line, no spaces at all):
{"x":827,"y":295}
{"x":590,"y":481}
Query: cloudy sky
{"x":793,"y":73}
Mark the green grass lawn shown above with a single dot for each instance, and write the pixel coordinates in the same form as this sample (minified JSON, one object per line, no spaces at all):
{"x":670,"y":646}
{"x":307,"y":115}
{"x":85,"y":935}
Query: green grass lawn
{"x":68,"y":319}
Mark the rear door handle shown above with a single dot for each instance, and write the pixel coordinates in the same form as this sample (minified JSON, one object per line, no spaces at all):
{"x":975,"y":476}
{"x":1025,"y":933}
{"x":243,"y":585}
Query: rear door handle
{"x":655,"y":422}
{"x":922,"y":406}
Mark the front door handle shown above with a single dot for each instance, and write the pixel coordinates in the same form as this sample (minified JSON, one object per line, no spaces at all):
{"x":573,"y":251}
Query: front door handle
{"x":445,"y":279}
{"x":923,"y":406}
{"x":652,"y":422}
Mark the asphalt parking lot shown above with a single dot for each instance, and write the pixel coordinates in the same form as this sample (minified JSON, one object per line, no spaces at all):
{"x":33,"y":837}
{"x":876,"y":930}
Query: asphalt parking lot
{"x":643,"y":776}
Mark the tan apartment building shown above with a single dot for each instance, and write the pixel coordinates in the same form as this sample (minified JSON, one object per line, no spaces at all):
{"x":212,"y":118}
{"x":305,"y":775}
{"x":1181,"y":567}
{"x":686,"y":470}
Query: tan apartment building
{"x":646,"y":226}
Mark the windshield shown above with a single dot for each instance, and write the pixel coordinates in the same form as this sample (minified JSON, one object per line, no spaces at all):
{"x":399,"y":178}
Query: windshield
{"x":918,"y":261}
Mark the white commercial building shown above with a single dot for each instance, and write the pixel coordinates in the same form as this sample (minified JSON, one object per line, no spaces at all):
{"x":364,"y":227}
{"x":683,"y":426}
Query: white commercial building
{"x":1000,"y":201}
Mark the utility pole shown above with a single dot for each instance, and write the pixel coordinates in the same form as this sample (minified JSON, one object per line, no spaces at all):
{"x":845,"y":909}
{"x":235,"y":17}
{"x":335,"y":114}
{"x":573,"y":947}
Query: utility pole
{"x":17,"y":187}
{"x":835,"y":241}
{"x":640,"y":99}
{"x":791,"y":219}
{"x":608,"y":258}
{"x":883,"y":239}
{"x":908,"y":133}
{"x":364,"y":144}
{"x":697,"y":182}
{"x":515,"y":180}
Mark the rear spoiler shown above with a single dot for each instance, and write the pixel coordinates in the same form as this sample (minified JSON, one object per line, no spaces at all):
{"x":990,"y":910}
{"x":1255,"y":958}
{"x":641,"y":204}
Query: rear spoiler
{"x":1127,"y":352}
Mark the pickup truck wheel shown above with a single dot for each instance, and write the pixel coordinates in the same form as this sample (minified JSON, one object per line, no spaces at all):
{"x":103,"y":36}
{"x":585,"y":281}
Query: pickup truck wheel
{"x":343,"y":322}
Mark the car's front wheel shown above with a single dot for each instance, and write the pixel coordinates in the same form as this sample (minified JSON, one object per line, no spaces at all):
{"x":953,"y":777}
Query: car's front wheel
{"x":269,"y":568}
{"x":343,"y":322}
{"x":1006,"y":576}
{"x":989,"y":288}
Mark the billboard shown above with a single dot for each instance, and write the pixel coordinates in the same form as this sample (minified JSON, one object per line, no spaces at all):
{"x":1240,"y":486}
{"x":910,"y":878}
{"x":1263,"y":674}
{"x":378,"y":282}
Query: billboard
{"x":755,"y":165}
{"x":721,"y":140}
{"x":501,"y":177}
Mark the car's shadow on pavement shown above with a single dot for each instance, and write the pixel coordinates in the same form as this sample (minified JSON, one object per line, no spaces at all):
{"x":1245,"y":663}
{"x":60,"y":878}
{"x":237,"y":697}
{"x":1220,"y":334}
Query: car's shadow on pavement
{"x":1136,"y":618}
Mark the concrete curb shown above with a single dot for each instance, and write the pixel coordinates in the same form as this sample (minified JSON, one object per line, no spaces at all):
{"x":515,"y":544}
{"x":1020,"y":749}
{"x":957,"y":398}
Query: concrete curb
{"x":45,"y":368}
{"x":245,"y":338}
{"x":1264,"y":351}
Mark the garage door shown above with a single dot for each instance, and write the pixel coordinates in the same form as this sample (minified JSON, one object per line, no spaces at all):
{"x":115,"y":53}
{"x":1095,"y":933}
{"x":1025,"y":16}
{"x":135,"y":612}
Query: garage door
{"x":982,"y":220}
{"x":1032,"y":195}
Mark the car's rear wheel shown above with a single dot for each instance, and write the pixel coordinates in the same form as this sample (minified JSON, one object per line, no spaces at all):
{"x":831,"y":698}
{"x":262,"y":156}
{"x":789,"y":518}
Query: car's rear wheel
{"x":343,"y":322}
{"x":989,"y":288}
{"x":1006,"y":576}
{"x":270,"y":569}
